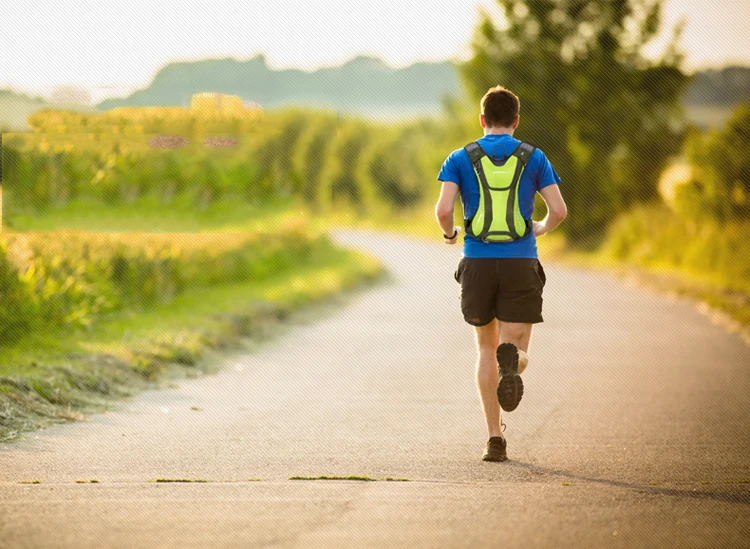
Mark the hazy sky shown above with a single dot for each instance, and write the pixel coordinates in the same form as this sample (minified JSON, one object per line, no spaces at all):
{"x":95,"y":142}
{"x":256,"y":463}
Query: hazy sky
{"x":114,"y":47}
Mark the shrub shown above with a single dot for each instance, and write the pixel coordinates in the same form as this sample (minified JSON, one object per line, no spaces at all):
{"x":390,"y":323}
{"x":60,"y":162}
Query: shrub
{"x":655,"y":235}
{"x":71,"y":279}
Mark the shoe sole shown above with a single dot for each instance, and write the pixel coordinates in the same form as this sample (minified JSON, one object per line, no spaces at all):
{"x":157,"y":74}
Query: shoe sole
{"x":510,"y":388}
{"x":495,"y":460}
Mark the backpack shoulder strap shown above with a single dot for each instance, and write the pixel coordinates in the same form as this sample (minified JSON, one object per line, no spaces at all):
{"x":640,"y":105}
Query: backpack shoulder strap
{"x":475,"y":152}
{"x":524,"y":152}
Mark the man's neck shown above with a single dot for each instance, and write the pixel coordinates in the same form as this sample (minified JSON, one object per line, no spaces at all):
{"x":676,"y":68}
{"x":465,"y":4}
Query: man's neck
{"x":499,"y":131}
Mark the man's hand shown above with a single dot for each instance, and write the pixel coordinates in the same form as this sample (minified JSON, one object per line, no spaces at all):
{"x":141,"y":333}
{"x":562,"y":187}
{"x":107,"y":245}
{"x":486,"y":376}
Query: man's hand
{"x":556,"y":210}
{"x":540,"y":228}
{"x":453,"y":240}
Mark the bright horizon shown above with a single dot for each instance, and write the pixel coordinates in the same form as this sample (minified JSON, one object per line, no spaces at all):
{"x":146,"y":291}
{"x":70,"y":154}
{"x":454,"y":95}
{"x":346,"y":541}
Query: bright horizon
{"x":112,"y":50}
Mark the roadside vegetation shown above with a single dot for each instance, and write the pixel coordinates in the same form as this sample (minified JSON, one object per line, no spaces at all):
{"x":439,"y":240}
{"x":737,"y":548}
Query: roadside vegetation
{"x":696,"y":234}
{"x":159,"y":321}
{"x":73,"y":279}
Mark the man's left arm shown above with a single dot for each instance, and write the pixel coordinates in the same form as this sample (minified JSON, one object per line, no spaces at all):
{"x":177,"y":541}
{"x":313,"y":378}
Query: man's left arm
{"x":444,"y":211}
{"x":547,"y":182}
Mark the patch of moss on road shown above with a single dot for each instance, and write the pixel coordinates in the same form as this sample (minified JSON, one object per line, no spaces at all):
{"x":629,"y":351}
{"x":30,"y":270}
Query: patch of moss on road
{"x":349,"y":477}
{"x":180,"y":480}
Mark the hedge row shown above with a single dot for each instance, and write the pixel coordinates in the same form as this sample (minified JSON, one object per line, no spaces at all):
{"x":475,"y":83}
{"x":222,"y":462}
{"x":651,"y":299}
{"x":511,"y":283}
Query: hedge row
{"x":75,"y":278}
{"x":315,"y":156}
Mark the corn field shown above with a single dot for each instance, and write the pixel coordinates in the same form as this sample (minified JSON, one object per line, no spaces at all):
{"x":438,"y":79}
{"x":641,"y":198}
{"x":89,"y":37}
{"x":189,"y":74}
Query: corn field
{"x":73,"y":279}
{"x":316,"y":157}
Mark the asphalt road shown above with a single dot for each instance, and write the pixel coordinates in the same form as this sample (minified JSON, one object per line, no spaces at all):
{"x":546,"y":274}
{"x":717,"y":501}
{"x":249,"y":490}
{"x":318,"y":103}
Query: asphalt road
{"x":633,"y":432}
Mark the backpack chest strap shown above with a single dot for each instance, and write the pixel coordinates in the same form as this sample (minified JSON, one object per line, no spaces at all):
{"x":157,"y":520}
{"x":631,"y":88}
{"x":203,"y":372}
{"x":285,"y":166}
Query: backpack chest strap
{"x":524,"y":152}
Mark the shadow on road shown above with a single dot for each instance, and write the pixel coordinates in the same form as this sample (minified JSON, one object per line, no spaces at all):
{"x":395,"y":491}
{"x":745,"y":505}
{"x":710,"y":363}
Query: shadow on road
{"x":740,"y":497}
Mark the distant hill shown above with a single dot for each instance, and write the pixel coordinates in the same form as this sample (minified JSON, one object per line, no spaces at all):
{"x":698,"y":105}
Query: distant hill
{"x":713,"y":95}
{"x":364,"y":85}
{"x":367,"y":86}
{"x":719,"y":87}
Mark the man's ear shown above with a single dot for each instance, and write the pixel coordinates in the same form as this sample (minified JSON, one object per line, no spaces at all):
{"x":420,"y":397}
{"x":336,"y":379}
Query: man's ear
{"x":482,"y":121}
{"x":515,"y":123}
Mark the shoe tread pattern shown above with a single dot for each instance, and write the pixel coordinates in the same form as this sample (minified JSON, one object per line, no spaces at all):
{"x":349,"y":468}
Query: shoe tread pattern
{"x":510,"y":388}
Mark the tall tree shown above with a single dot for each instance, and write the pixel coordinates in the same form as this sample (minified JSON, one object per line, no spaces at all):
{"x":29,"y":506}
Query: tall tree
{"x":607,"y":117}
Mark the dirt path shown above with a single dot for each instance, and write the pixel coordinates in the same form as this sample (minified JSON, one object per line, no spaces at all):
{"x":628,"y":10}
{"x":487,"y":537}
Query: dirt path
{"x":633,"y":432}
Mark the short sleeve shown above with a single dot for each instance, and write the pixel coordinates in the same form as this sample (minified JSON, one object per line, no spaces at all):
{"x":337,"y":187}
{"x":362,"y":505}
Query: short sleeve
{"x":546,"y":174}
{"x":449,"y":171}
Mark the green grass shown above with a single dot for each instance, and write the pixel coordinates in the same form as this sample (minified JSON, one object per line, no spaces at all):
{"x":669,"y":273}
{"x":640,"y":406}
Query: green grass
{"x":326,"y":477}
{"x":54,"y":376}
{"x":329,"y":270}
{"x":360,"y":478}
{"x":151,"y":216}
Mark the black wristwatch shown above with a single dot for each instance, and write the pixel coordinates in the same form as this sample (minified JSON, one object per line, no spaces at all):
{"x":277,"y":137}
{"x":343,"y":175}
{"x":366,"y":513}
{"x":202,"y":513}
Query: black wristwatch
{"x":455,"y":234}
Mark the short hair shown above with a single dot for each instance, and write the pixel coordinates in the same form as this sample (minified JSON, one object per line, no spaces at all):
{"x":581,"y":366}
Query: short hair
{"x":500,"y":107}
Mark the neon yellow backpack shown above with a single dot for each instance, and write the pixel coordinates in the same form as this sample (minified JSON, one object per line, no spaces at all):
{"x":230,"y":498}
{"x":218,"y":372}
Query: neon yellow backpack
{"x":498,"y":218}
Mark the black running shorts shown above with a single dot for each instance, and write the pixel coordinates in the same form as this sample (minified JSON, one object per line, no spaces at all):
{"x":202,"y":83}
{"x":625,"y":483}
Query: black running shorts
{"x":509,"y":289}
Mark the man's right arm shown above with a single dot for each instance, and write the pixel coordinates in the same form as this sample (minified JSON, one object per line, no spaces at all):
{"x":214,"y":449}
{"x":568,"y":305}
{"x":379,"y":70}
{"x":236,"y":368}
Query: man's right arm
{"x":444,"y":210}
{"x":556,"y":210}
{"x":450,"y":178}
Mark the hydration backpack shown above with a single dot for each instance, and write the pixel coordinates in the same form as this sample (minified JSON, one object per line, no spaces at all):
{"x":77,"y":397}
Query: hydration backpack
{"x":498,"y":218}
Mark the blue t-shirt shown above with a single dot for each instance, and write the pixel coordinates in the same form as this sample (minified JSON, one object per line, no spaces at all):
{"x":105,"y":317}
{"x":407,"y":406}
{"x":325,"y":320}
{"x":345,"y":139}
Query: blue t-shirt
{"x":538,"y":174}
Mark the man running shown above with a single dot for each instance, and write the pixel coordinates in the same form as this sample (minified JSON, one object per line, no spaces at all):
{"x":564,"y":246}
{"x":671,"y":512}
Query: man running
{"x":501,"y":278}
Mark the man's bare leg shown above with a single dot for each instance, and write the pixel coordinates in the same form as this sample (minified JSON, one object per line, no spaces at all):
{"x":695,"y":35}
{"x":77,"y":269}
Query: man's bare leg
{"x":488,"y":339}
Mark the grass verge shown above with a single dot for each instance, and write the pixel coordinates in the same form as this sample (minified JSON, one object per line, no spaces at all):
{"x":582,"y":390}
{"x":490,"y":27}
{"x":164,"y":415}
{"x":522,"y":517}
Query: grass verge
{"x":151,"y":216}
{"x":723,"y":303}
{"x":57,"y":376}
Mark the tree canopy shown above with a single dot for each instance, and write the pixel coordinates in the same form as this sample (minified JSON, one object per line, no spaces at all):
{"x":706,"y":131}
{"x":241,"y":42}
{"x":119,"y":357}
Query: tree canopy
{"x":607,"y":117}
